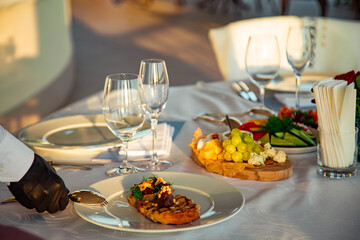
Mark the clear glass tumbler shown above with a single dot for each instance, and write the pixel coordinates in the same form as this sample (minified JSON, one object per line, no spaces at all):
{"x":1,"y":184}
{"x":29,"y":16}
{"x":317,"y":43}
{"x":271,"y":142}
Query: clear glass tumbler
{"x":337,"y":153}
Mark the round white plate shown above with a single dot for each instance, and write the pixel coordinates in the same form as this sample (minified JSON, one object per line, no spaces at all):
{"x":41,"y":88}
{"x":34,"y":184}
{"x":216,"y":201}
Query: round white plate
{"x":218,"y":202}
{"x":78,"y":137}
{"x":286,"y":82}
{"x":296,"y":150}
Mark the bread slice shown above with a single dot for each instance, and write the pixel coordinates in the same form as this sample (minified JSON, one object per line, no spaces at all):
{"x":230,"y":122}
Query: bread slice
{"x":182,"y":211}
{"x":161,"y":206}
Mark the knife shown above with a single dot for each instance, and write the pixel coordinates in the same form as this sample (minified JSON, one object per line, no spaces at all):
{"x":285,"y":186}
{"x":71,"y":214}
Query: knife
{"x":84,"y":165}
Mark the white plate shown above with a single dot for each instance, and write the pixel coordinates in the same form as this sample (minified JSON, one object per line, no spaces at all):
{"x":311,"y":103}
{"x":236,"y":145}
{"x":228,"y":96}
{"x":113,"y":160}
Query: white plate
{"x":296,"y":150}
{"x":79,"y":137}
{"x":286,"y":82}
{"x":218,"y":202}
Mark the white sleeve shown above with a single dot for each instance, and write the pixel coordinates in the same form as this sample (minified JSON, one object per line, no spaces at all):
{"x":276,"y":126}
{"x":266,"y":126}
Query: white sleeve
{"x":15,"y":157}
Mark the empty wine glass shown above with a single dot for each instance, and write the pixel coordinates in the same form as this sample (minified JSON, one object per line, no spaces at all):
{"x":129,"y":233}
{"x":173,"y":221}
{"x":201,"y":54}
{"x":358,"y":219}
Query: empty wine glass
{"x":123,"y":113}
{"x":298,"y":53}
{"x":262,"y":61}
{"x":154,"y":90}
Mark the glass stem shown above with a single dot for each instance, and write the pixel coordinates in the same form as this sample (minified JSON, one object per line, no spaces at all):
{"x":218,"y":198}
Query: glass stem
{"x":154,"y":158}
{"x":262,"y":95}
{"x":125,"y":163}
{"x":297,"y":91}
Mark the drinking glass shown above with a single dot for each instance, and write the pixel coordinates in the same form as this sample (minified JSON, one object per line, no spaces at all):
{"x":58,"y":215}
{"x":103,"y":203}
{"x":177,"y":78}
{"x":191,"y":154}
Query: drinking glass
{"x":154,"y":90}
{"x":262,"y":61}
{"x":123,"y":113}
{"x":298,"y":53}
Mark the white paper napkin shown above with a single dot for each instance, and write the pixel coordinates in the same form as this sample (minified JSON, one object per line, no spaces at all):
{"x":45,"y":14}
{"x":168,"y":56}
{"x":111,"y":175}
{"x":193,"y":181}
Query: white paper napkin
{"x":288,"y":99}
{"x":143,"y":147}
{"x":335,"y":102}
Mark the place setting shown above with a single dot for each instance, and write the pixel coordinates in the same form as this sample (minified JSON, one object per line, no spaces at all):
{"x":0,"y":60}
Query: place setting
{"x":140,"y":145}
{"x":128,"y":100}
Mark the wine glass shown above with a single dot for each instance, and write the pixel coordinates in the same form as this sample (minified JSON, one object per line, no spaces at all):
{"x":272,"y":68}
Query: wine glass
{"x":154,"y":90}
{"x":298,"y":53}
{"x":123,"y":113}
{"x":262,"y":61}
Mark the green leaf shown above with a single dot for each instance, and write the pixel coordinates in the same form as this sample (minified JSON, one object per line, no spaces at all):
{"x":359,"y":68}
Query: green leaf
{"x":357,"y":82}
{"x":137,"y":194}
{"x":276,"y":125}
{"x":287,"y":124}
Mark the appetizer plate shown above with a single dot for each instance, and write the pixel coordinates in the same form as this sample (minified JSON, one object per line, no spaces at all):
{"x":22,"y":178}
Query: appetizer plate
{"x":296,"y":150}
{"x":286,"y":82}
{"x":78,"y":137}
{"x":218,"y":202}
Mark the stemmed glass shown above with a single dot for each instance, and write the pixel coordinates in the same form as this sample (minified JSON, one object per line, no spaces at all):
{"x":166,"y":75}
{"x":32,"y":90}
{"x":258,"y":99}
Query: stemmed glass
{"x":298,"y":53}
{"x":154,"y":90}
{"x":123,"y":113}
{"x":262,"y":61}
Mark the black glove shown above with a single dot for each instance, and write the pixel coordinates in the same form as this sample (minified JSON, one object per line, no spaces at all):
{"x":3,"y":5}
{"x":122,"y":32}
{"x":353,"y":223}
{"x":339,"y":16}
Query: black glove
{"x":41,"y":188}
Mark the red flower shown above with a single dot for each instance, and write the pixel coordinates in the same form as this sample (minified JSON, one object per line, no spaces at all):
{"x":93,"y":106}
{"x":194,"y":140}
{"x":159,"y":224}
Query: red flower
{"x":350,"y":77}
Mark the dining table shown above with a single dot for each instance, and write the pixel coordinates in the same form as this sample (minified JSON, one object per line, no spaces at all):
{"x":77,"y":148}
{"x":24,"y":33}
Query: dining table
{"x":304,"y":206}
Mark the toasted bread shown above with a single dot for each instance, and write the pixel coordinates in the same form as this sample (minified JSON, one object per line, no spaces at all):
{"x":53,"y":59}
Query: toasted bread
{"x":161,"y":206}
{"x":182,"y":211}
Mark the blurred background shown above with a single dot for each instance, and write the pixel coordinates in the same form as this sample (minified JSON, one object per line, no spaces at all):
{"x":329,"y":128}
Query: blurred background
{"x":54,"y":52}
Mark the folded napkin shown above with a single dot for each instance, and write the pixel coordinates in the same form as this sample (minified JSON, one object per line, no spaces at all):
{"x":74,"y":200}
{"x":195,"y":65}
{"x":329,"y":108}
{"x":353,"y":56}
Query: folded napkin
{"x":335,"y":102}
{"x":288,"y":99}
{"x":143,"y":147}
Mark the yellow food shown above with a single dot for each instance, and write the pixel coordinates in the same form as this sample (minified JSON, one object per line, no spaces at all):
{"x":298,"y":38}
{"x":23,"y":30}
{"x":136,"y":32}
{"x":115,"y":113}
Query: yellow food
{"x":223,"y":157}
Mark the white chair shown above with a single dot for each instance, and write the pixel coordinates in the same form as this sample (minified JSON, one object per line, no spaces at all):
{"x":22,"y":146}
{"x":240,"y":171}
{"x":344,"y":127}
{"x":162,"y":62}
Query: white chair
{"x":335,"y":48}
{"x":36,"y":60}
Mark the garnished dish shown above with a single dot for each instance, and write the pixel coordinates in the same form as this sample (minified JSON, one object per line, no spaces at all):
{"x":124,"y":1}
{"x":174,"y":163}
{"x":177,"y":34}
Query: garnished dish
{"x":293,"y":131}
{"x":218,"y":204}
{"x":239,"y":155}
{"x":154,"y":198}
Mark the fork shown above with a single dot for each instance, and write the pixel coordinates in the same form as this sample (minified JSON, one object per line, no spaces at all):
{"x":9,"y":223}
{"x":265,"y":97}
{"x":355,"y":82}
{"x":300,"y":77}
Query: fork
{"x":251,"y":94}
{"x":238,"y":89}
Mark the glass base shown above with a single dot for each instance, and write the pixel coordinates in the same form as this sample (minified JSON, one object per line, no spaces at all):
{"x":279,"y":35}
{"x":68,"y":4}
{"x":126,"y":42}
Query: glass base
{"x":337,"y":173}
{"x":123,"y":170}
{"x":155,"y":166}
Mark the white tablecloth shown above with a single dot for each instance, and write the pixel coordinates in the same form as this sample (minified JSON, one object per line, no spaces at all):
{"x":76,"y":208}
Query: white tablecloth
{"x":305,"y":206}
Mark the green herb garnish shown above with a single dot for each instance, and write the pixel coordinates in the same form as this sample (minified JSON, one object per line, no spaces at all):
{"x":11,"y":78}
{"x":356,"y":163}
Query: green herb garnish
{"x":275,"y":125}
{"x":135,"y":191}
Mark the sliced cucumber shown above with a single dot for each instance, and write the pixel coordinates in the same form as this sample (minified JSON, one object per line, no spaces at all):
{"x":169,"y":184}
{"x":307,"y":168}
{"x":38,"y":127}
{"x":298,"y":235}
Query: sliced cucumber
{"x":297,"y":141}
{"x":279,"y":134}
{"x":275,"y":141}
{"x":303,"y":136}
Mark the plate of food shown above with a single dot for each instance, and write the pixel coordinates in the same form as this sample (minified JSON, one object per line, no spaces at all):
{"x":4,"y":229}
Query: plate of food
{"x":257,"y":149}
{"x":204,"y":201}
{"x":238,"y":155}
{"x":292,"y":131}
{"x":77,"y":137}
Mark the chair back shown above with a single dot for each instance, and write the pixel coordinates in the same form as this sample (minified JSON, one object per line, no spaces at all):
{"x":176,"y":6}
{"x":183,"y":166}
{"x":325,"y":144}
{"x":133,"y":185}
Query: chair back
{"x":334,"y":44}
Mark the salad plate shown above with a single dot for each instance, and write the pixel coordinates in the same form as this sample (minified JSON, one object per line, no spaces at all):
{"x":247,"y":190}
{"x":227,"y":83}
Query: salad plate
{"x":78,"y":137}
{"x":296,"y":150}
{"x":218,"y":202}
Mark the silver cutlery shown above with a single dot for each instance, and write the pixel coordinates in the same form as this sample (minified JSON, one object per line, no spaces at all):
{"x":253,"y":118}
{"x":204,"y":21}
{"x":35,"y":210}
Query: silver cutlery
{"x":237,"y":88}
{"x":77,"y":165}
{"x":255,"y":110}
{"x":251,"y":94}
{"x":81,"y":196}
{"x":234,"y":122}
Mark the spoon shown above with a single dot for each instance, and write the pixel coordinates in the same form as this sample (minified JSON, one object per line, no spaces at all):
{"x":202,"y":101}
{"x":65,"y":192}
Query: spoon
{"x":88,"y":197}
{"x":81,"y":196}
